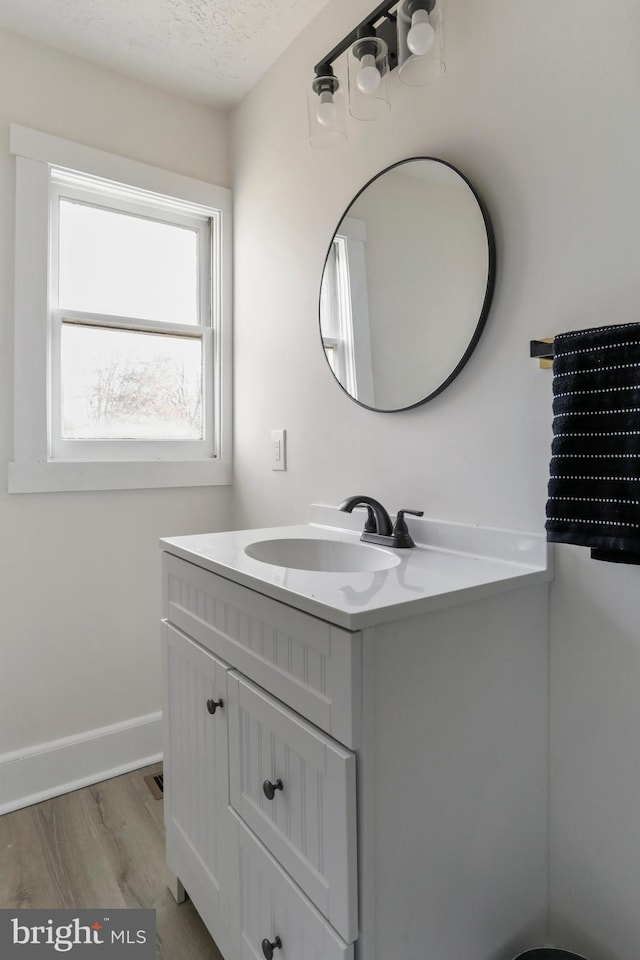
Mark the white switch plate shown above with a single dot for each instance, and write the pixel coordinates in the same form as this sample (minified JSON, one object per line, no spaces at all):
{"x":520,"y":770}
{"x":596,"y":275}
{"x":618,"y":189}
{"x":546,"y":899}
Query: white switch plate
{"x":278,"y":449}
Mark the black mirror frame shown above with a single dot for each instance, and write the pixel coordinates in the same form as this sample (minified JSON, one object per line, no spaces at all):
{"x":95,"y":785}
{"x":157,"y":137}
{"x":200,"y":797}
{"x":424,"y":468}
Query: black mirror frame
{"x":488,"y":296}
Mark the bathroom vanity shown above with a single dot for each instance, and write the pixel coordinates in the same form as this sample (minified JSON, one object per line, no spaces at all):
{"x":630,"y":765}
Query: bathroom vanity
{"x":356,"y":758}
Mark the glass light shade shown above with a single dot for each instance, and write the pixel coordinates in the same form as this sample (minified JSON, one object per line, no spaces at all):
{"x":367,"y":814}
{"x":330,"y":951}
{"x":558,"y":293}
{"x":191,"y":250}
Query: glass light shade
{"x":368,"y":63}
{"x":326,"y":112}
{"x":420,"y":42}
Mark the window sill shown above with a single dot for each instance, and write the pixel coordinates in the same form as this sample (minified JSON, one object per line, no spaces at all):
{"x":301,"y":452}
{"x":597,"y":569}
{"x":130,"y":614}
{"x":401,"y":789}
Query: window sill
{"x":58,"y":476}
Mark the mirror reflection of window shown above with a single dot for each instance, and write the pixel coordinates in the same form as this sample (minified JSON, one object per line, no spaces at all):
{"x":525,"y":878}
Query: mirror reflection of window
{"x":344,"y":308}
{"x":336,"y":309}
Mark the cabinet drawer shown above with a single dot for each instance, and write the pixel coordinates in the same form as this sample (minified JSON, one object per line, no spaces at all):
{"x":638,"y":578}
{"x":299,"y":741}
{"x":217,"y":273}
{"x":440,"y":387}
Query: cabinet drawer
{"x":272,"y":906}
{"x":308,"y":822}
{"x":308,"y":663}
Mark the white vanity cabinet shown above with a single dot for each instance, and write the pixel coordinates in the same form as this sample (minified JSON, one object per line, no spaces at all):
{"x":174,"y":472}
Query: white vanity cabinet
{"x":358,"y":794}
{"x":260,"y":803}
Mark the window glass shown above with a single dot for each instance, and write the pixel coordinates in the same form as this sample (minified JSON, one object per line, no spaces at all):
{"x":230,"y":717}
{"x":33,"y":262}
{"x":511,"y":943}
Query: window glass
{"x":125,"y":384}
{"x":120,"y":264}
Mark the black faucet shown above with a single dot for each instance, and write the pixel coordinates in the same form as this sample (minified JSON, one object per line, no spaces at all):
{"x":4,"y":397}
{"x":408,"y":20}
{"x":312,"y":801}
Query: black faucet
{"x":377,"y":528}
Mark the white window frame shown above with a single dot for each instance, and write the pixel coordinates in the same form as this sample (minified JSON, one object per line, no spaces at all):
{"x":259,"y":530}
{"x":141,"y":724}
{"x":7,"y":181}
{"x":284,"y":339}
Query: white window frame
{"x":345,"y":301}
{"x":42,"y":463}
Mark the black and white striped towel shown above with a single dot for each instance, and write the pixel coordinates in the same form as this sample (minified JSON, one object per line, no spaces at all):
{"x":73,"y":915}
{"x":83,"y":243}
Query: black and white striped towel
{"x":594,"y":485}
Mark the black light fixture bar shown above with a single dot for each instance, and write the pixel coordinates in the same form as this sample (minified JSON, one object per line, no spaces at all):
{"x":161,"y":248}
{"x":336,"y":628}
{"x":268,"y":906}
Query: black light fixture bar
{"x":385,"y":30}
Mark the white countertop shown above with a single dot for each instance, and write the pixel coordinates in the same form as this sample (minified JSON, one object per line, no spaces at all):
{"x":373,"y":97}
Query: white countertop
{"x":451,"y":563}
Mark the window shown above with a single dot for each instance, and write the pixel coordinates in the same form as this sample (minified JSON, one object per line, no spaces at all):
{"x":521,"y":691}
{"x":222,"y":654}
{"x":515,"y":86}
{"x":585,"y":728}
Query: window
{"x":122,"y":322}
{"x":337,"y":319}
{"x":344,"y":310}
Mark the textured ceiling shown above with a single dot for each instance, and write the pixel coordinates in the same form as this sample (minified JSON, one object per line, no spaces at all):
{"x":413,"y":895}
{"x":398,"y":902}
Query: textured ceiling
{"x":210,"y":50}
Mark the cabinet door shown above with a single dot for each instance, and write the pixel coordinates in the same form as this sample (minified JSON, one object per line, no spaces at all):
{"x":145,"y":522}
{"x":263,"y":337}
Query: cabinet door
{"x":296,"y":789}
{"x":196,"y":780}
{"x":273,"y":909}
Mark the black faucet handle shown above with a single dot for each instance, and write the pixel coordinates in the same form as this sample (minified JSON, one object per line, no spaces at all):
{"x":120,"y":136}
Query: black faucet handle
{"x":414,"y":513}
{"x":370,"y":524}
{"x":400,"y":528}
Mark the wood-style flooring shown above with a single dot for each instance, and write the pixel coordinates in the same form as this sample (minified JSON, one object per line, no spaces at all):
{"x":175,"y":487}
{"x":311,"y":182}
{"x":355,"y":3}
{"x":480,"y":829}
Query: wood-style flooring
{"x":102,"y":846}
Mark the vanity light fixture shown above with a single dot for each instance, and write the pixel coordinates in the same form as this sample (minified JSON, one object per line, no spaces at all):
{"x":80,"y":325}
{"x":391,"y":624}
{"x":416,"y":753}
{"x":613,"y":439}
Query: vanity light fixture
{"x":368,"y":72}
{"x":420,"y":42}
{"x":325,"y":105}
{"x":407,"y":34}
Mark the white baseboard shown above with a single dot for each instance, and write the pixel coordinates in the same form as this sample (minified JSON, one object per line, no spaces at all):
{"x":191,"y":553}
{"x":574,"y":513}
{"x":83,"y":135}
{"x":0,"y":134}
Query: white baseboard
{"x":49,"y":769}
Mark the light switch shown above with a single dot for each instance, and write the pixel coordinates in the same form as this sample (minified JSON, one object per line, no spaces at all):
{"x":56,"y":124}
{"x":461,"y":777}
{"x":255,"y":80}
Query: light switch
{"x":278,"y":449}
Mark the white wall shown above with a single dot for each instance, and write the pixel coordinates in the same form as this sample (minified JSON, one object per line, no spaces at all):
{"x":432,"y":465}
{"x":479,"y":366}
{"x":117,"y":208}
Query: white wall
{"x":539,"y":108}
{"x":80,"y":573}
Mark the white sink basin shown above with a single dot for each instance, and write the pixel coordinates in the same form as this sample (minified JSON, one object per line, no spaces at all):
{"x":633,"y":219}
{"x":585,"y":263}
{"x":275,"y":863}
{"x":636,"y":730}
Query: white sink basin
{"x":326,"y":556}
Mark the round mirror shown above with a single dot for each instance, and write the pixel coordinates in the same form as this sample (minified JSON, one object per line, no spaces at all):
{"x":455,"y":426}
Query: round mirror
{"x":407,"y":284}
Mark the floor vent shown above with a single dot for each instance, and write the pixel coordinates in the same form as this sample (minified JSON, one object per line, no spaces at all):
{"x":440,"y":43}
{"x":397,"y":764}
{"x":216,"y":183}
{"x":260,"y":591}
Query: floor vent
{"x":155,"y":782}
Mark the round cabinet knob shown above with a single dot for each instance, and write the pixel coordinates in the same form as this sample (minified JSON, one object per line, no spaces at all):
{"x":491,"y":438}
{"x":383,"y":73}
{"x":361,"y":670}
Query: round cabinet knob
{"x":212,"y":705}
{"x":268,"y":948}
{"x":269,"y":789}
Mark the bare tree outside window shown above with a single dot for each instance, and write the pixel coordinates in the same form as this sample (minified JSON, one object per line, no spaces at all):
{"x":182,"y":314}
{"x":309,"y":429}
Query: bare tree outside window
{"x":121,"y":384}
